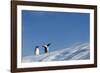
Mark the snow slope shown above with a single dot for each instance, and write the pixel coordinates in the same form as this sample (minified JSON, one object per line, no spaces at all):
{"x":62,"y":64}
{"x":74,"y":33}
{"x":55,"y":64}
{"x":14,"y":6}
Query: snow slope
{"x":77,"y":52}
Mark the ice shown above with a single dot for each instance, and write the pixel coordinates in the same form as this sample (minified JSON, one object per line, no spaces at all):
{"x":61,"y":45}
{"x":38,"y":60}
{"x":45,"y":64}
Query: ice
{"x":77,"y":52}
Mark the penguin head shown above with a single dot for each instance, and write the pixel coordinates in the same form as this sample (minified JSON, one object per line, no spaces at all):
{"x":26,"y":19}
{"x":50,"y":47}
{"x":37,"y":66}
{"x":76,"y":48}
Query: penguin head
{"x":37,"y":47}
{"x":46,"y":45}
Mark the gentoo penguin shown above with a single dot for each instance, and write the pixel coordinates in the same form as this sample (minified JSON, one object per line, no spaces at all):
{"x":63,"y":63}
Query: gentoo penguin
{"x":46,"y":47}
{"x":37,"y":51}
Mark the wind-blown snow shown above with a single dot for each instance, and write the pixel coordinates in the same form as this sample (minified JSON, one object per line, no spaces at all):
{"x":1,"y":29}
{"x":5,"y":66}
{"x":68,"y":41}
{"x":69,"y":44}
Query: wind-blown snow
{"x":78,"y":52}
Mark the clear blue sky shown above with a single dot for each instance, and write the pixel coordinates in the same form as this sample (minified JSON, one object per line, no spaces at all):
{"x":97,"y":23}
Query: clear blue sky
{"x":61,"y":29}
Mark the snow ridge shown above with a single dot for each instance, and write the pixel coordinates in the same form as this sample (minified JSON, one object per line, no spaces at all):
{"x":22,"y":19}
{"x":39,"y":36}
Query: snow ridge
{"x":77,"y":52}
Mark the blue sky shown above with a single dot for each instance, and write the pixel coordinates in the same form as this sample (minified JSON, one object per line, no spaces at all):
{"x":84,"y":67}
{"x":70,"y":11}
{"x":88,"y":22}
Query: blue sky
{"x":61,"y":29}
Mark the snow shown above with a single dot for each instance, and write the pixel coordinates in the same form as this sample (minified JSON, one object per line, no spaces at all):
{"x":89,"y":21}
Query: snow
{"x":77,"y":52}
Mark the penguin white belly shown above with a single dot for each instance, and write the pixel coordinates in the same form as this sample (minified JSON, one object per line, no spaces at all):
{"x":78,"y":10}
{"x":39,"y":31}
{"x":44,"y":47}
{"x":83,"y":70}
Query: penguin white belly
{"x":37,"y":51}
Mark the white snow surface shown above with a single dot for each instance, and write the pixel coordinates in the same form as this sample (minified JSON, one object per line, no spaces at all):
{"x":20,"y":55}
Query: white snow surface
{"x":76,"y":52}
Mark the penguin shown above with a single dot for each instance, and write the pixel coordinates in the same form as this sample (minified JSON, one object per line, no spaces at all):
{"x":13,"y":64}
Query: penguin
{"x":37,"y":51}
{"x":46,"y":47}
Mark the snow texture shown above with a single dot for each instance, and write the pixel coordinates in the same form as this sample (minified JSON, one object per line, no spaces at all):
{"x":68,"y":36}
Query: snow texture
{"x":76,"y":52}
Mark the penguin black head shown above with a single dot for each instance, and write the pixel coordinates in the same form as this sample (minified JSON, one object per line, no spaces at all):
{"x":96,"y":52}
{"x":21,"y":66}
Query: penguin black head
{"x":48,"y":44}
{"x":37,"y":47}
